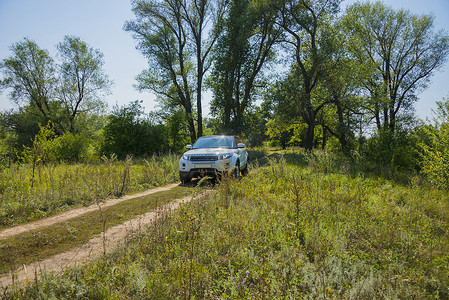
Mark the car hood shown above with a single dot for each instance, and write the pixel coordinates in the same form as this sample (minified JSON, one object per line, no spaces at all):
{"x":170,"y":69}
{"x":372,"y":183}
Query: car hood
{"x":210,"y":151}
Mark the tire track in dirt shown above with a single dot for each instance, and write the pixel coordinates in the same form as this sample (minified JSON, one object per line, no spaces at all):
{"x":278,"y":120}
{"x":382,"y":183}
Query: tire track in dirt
{"x":96,"y":247}
{"x":64,"y":216}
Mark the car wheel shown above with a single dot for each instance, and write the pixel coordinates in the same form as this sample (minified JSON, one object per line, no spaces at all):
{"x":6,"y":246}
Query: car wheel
{"x":185,"y":178}
{"x":245,"y":170}
{"x":237,"y":170}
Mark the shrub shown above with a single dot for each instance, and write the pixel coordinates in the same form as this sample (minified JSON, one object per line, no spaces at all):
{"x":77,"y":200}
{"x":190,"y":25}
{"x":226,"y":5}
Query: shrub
{"x":435,"y":151}
{"x":396,"y":150}
{"x":70,"y":147}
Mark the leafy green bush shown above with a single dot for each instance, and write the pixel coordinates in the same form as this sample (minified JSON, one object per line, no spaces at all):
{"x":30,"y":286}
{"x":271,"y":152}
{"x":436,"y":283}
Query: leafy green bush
{"x":70,"y":147}
{"x":395,"y":150}
{"x":128,"y":133}
{"x":435,"y":151}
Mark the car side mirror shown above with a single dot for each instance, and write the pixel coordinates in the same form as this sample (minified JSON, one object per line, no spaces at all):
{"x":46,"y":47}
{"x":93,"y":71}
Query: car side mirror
{"x":189,"y":147}
{"x":240,"y":145}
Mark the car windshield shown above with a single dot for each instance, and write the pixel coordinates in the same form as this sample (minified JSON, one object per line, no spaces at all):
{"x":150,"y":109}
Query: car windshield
{"x":215,"y":142}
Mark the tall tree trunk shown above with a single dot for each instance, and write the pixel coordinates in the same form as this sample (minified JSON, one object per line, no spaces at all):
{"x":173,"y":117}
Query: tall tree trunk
{"x":342,"y":129}
{"x":310,"y":135}
{"x":199,"y":84}
{"x":198,"y":106}
{"x":190,"y":122}
{"x":323,"y":145}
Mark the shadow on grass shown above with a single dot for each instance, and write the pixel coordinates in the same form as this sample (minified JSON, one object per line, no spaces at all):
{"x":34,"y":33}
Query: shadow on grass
{"x":326,"y":162}
{"x":205,"y":182}
{"x":292,"y":157}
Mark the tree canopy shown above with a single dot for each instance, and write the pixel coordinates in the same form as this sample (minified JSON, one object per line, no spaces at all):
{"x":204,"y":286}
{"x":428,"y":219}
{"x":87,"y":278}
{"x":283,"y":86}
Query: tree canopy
{"x":296,"y":71}
{"x":403,"y":51}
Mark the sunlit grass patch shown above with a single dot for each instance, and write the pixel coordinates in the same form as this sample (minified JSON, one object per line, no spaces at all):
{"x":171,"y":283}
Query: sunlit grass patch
{"x":62,"y":187}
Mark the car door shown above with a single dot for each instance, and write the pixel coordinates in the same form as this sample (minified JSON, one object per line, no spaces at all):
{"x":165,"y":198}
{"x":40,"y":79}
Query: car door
{"x":243,"y":155}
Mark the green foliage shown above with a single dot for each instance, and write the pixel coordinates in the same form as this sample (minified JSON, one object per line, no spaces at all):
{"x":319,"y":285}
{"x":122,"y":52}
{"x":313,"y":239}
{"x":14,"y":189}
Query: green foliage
{"x":128,"y":133}
{"x":284,"y":133}
{"x":255,"y":127}
{"x":435,"y":153}
{"x":242,"y":54}
{"x":48,"y":147}
{"x":176,"y":127}
{"x":30,"y":73}
{"x":42,"y":149}
{"x":172,"y":36}
{"x":401,"y":50}
{"x":6,"y":153}
{"x":70,"y":147}
{"x":66,"y":94}
{"x":395,"y":150}
{"x":83,"y":83}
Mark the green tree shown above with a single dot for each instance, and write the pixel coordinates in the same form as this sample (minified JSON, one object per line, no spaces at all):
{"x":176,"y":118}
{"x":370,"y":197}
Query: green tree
{"x":176,"y":127}
{"x":30,"y":73}
{"x":41,"y":152}
{"x":435,"y":153}
{"x":402,"y":50}
{"x":82,"y":81}
{"x":280,"y":131}
{"x":199,"y":15}
{"x":128,"y":132}
{"x":172,"y":36}
{"x":242,"y":51}
{"x":67,"y":94}
{"x":341,"y":87}
{"x":306,"y":24}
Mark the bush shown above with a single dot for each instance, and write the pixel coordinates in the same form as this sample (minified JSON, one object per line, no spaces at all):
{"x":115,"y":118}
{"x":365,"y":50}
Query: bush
{"x":128,"y":133}
{"x":396,"y":150}
{"x":70,"y":147}
{"x":435,"y":149}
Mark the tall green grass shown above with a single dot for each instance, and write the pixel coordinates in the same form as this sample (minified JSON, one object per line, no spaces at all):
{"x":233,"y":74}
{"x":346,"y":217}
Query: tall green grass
{"x":289,"y":230}
{"x":59,"y":187}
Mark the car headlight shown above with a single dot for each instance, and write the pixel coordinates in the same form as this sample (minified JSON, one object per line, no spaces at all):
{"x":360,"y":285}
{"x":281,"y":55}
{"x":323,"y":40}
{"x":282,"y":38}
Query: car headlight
{"x":186,"y":157}
{"x":224,"y":156}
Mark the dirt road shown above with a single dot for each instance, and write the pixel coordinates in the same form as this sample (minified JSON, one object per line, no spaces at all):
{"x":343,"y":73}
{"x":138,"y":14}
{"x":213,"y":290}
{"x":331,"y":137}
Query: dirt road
{"x":6,"y":233}
{"x":92,"y":249}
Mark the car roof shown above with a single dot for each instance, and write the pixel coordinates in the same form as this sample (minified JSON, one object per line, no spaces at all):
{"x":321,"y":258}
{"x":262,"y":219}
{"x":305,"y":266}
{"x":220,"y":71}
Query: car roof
{"x":210,"y":136}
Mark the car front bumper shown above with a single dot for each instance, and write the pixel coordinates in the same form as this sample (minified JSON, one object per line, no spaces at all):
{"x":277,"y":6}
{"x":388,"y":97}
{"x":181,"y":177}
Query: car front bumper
{"x":202,"y":168}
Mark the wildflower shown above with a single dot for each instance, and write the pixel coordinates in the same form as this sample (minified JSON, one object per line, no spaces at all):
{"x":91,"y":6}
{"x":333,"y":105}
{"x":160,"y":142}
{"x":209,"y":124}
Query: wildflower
{"x":247,"y":272}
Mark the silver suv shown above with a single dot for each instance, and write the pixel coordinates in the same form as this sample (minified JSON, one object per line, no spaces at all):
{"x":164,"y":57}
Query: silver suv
{"x":213,"y":155}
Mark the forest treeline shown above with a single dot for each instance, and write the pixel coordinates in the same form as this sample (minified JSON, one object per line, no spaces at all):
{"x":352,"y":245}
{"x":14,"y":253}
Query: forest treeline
{"x":292,"y":72}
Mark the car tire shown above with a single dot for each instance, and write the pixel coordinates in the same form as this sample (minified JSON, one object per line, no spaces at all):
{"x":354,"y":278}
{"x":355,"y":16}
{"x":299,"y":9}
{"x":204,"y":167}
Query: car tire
{"x":245,"y":170}
{"x":185,"y":178}
{"x":237,"y":170}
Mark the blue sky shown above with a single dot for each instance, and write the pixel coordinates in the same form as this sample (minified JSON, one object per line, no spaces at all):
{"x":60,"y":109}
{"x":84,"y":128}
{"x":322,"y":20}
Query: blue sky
{"x":100,"y":24}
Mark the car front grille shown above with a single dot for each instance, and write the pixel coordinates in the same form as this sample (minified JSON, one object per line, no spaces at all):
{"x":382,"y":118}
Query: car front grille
{"x":199,"y":157}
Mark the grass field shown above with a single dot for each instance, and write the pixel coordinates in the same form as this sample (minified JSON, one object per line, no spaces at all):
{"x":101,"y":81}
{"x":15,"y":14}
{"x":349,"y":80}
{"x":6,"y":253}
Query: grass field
{"x":299,"y":226}
{"x":61,"y":187}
